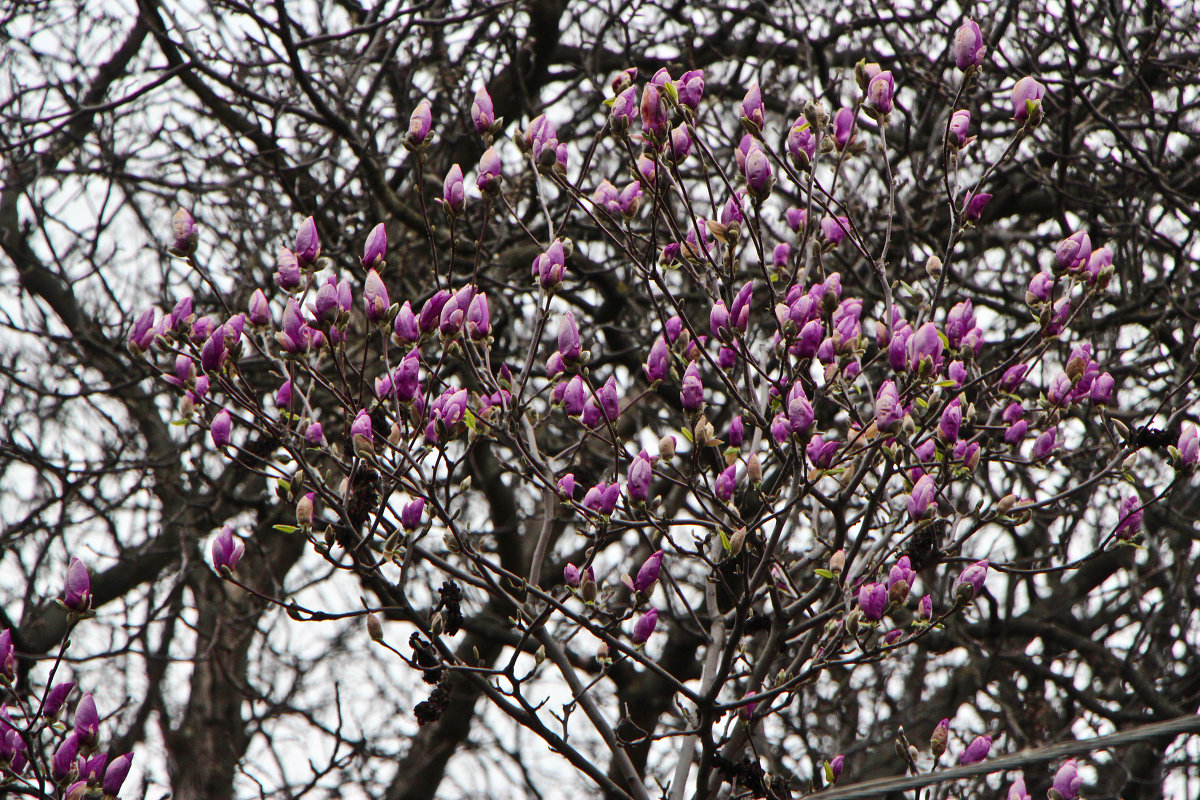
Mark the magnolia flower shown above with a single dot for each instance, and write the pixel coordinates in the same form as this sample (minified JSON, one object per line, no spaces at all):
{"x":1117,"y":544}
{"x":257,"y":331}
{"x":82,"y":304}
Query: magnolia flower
{"x":976,"y":751}
{"x":968,"y":46}
{"x":77,"y":589}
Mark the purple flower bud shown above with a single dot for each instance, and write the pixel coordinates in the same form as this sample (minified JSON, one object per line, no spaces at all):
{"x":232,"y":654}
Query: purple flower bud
{"x":737,"y":433}
{"x":1013,"y":376}
{"x":185,"y":233}
{"x":55,"y":698}
{"x":431,"y":312}
{"x":375,"y":248}
{"x":888,"y":409}
{"x":951,"y":421}
{"x":1188,"y":445}
{"x":1067,"y":781}
{"x":801,"y":143}
{"x":483,"y":113}
{"x":968,"y":46}
{"x":647,"y":574}
{"x":681,"y":144}
{"x":1027,"y":97}
{"x":654,"y":113}
{"x":227,"y":551}
{"x":87,"y":721}
{"x":925,"y":345}
{"x":799,"y":410}
{"x":64,"y":757}
{"x":821,"y":452}
{"x":1099,"y":262}
{"x":419,"y":124}
{"x":925,"y":608}
{"x":610,"y":400}
{"x":141,"y":335}
{"x":361,"y":434}
{"x":880,"y":91}
{"x":575,"y":396}
{"x":1074,"y":251}
{"x":8,"y":661}
{"x":283,"y":395}
{"x":638,"y":486}
{"x":77,"y":588}
{"x":623,"y":109}
{"x":752,"y":107}
{"x":1130,"y":518}
{"x":490,"y":173}
{"x":718,"y":320}
{"x":114,"y":776}
{"x":1044,"y":444}
{"x":835,"y":767}
{"x":607,"y":198}
{"x":454,"y":194}
{"x":759,"y":177}
{"x":901,"y":571}
{"x":410,"y":515}
{"x":922,"y":497}
{"x":960,"y":124}
{"x":568,"y":338}
{"x":726,"y":483}
{"x":970,"y":582}
{"x":314,"y":435}
{"x":91,"y":769}
{"x":835,"y":229}
{"x":872,"y":599}
{"x":692,"y":393}
{"x":973,"y":205}
{"x":690,"y":88}
{"x":308,"y":243}
{"x":1017,"y":790}
{"x":572,"y":576}
{"x":843,"y":127}
{"x":645,"y":626}
{"x":976,"y":751}
{"x":375,"y":296}
{"x":658,"y":362}
{"x":221,"y":429}
{"x":479,"y":318}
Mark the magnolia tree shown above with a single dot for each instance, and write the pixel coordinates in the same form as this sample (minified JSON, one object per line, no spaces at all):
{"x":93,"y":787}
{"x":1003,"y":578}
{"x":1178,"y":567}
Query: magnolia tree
{"x":715,"y":438}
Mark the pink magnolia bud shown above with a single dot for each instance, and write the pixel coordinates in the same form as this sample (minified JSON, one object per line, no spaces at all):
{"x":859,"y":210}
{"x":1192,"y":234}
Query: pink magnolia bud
{"x":645,"y":626}
{"x":951,"y":421}
{"x":1074,"y":252}
{"x":843,"y":127}
{"x":483,"y":114}
{"x":638,"y":486}
{"x":568,"y":338}
{"x":454,"y":194}
{"x":287,"y":270}
{"x":726,"y":483}
{"x":690,"y":88}
{"x":880,"y":92}
{"x":227,"y":551}
{"x":960,"y":123}
{"x":185,"y":233}
{"x":1067,"y":781}
{"x":87,"y":721}
{"x":692,"y":392}
{"x":115,"y":775}
{"x":801,"y":143}
{"x":572,"y":576}
{"x":1027,"y":97}
{"x":835,"y":229}
{"x":872,"y":599}
{"x":1017,"y":791}
{"x":1044,"y":444}
{"x":976,"y":751}
{"x":221,"y":428}
{"x":375,"y":248}
{"x":969,"y":48}
{"x":1130,"y":517}
{"x":925,"y":608}
{"x":419,"y":125}
{"x":922,"y":497}
{"x":624,"y":107}
{"x":654,"y":113}
{"x":974,"y":204}
{"x":490,"y":173}
{"x":308,"y":243}
{"x":648,"y":573}
{"x":888,"y":409}
{"x":759,"y":177}
{"x":752,"y":107}
{"x":375,"y":296}
{"x":1188,"y":445}
{"x":941,"y":733}
{"x":970,"y":582}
